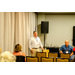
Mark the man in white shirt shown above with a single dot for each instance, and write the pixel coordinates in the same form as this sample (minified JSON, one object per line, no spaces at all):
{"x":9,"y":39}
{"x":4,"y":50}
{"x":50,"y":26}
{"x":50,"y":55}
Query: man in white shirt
{"x":34,"y":44}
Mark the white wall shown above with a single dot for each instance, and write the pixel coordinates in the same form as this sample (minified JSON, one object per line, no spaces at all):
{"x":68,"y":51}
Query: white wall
{"x":60,"y":29}
{"x":40,"y":18}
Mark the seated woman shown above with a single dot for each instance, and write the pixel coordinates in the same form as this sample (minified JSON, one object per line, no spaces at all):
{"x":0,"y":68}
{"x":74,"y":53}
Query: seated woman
{"x":17,"y":51}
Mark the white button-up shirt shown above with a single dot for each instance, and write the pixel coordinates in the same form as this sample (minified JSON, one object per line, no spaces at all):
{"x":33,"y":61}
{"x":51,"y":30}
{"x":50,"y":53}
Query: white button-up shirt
{"x":35,"y":42}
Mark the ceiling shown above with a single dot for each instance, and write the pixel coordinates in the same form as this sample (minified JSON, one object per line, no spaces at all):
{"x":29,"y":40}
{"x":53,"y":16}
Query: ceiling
{"x":57,"y":13}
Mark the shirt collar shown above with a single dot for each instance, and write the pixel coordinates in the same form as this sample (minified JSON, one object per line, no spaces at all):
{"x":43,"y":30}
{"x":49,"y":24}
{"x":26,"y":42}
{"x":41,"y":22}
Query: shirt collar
{"x":65,"y":45}
{"x":34,"y":37}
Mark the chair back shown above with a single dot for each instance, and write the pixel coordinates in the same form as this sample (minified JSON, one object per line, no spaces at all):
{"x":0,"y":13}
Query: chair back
{"x":31,"y":59}
{"x":54,"y":54}
{"x":20,"y":58}
{"x":64,"y":55}
{"x":40,"y":54}
{"x":62,"y":59}
{"x":47,"y":59}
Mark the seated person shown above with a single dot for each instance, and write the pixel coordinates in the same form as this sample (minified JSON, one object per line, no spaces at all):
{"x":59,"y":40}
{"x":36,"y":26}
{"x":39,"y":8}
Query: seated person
{"x":17,"y":51}
{"x":74,"y":50}
{"x":7,"y":57}
{"x":73,"y":60}
{"x":67,"y":49}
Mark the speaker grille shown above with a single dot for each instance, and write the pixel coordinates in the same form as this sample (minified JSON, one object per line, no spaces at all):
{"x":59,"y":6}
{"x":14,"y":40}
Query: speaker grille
{"x":44,"y":26}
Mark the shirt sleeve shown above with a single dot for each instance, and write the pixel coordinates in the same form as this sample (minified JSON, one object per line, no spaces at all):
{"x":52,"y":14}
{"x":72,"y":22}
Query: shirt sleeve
{"x":72,"y":49}
{"x":61,"y":48}
{"x":30,"y":44}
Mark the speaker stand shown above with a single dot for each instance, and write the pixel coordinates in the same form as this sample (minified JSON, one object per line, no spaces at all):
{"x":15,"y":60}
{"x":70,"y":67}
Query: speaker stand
{"x":44,"y":40}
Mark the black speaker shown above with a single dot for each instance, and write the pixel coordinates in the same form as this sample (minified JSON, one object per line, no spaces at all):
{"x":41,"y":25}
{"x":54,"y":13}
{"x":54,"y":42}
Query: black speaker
{"x":44,"y":26}
{"x":73,"y":35}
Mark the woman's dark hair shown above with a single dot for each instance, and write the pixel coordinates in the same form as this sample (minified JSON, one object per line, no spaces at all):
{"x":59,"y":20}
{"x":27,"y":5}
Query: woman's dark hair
{"x":18,"y":48}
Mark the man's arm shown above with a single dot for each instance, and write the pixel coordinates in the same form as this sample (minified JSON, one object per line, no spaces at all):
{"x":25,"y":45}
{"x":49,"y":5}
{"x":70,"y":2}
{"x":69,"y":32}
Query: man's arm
{"x":61,"y":49}
{"x":72,"y":52}
{"x":42,"y":48}
{"x":61,"y":52}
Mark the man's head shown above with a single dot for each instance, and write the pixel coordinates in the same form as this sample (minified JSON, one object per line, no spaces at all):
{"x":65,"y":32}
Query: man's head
{"x":66,"y":42}
{"x":35,"y":33}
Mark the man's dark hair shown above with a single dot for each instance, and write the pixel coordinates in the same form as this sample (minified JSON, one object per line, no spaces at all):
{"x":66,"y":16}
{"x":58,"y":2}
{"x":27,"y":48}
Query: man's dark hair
{"x":34,"y":32}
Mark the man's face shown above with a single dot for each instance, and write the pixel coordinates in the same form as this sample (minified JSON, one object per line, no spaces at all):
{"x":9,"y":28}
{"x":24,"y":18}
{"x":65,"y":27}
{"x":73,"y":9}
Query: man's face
{"x":35,"y":34}
{"x":66,"y":43}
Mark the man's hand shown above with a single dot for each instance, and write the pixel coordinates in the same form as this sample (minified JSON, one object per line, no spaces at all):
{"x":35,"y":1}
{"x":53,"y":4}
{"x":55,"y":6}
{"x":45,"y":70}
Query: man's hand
{"x":42,"y":48}
{"x":71,"y":54}
{"x":31,"y":51}
{"x":61,"y":52}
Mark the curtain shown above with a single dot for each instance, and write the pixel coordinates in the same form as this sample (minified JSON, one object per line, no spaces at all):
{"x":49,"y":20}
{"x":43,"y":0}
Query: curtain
{"x":16,"y":28}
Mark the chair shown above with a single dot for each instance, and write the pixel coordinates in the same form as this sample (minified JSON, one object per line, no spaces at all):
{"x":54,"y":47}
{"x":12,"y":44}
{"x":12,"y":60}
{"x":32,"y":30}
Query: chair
{"x":64,"y":55}
{"x":31,"y":59}
{"x":40,"y":54}
{"x":54,"y":49}
{"x":20,"y":59}
{"x":47,"y":51}
{"x":47,"y":59}
{"x":62,"y":59}
{"x":53,"y":54}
